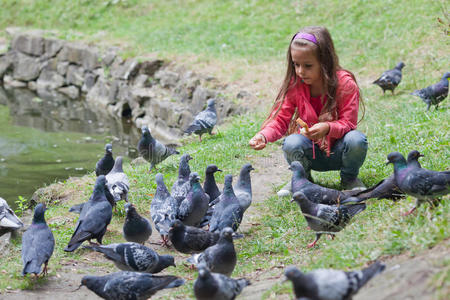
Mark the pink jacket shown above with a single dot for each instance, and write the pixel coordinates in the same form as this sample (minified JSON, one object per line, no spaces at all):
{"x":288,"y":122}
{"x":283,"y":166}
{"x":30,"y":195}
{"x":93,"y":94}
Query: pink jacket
{"x":347,"y":97}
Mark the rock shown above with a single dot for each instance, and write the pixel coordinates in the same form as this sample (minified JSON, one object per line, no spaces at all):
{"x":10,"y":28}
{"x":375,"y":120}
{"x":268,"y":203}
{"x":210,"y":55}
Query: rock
{"x":62,"y":67}
{"x":142,"y":94}
{"x":71,"y":91}
{"x":26,"y":68}
{"x":49,"y":79}
{"x":167,"y":79}
{"x":28,"y":44}
{"x":150,"y":67}
{"x":141,"y":81}
{"x":80,"y":54}
{"x":89,"y":81}
{"x":75,"y":75}
{"x":109,"y":56}
{"x":199,"y":98}
{"x":6,"y":63}
{"x":126,"y":70}
{"x":52,"y":47}
{"x":32,"y":85}
{"x":99,"y":93}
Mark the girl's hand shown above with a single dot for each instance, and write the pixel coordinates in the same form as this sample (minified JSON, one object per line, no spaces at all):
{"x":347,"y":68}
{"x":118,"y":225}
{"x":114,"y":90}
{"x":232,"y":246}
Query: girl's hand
{"x":317,"y":131}
{"x":258,"y":142}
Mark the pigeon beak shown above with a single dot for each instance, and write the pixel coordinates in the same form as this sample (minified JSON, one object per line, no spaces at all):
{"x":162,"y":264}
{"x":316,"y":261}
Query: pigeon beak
{"x":421,"y":155}
{"x":387,"y":162}
{"x":219,"y":170}
{"x":292,"y":200}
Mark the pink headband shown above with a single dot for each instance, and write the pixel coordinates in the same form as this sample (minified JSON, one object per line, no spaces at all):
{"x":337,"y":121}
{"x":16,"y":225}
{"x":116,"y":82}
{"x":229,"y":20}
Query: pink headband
{"x":306,"y":36}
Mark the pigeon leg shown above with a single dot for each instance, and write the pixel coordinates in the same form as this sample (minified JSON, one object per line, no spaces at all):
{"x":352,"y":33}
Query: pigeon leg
{"x":315,"y":241}
{"x":164,"y":242}
{"x":200,"y":137}
{"x":409,"y":212}
{"x":45,"y":270}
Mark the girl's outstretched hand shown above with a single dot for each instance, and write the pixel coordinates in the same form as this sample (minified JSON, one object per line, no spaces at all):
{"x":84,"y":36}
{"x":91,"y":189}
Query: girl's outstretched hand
{"x":317,"y":131}
{"x":258,"y":142}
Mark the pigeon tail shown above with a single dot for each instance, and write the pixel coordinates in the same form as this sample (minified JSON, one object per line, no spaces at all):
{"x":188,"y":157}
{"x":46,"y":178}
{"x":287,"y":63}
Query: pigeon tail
{"x":354,"y":209}
{"x":192,"y":128}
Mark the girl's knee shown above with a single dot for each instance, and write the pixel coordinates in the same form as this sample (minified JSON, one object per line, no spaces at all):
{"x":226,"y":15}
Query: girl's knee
{"x":295,"y":142}
{"x":355,"y":140}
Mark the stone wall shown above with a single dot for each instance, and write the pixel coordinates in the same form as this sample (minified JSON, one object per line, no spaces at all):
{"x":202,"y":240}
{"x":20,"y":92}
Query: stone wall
{"x":154,"y":92}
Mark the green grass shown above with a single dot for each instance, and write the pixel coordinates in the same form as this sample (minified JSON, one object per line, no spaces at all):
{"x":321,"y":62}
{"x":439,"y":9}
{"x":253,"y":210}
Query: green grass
{"x":370,"y":36}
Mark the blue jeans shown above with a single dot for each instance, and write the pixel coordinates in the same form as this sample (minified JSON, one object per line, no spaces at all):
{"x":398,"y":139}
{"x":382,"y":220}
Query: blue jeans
{"x":347,"y":154}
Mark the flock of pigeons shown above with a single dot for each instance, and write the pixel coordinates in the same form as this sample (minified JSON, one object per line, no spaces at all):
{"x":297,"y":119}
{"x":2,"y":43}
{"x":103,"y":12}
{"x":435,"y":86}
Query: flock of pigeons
{"x":431,"y":95}
{"x":202,"y":221}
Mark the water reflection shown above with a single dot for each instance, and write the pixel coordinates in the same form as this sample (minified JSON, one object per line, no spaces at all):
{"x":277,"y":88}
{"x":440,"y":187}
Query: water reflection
{"x":48,"y":137}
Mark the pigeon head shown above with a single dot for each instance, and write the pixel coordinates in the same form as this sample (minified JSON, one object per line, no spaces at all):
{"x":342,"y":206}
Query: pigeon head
{"x":145,"y":131}
{"x":159,"y":178}
{"x":94,"y":283}
{"x":129,"y":208}
{"x":396,"y":158}
{"x":186,"y":157}
{"x":228,"y":181}
{"x":203,"y":271}
{"x":100,"y":183}
{"x":292,"y":273}
{"x":108,"y":148}
{"x":211,"y":169}
{"x":446,"y":75}
{"x":167,"y":260}
{"x":246,"y":168}
{"x":303,"y":285}
{"x":414,"y":155}
{"x":400,"y":65}
{"x":227,"y":234}
{"x":118,"y":165}
{"x":297,"y":168}
{"x":39,"y":213}
{"x":176,"y":224}
{"x":299,"y":197}
{"x":194,"y":178}
{"x":211,"y":102}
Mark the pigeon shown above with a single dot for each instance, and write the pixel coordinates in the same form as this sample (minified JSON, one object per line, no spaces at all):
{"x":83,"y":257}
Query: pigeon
{"x":329,"y":284}
{"x":390,"y":79}
{"x":435,"y":93}
{"x":220,"y":258}
{"x":216,"y":286}
{"x":94,"y":218}
{"x":189,"y":239}
{"x":77,"y":208}
{"x":9,"y":222}
{"x":136,"y":228}
{"x":423,"y":184}
{"x":210,"y":185}
{"x":134,"y":257}
{"x":194,"y":206}
{"x":387,"y":188}
{"x":182,"y":185}
{"x":243,"y":188}
{"x":117,"y":181}
{"x":314,"y":192}
{"x":129,"y":285}
{"x":204,"y":121}
{"x":324,"y":218}
{"x":37,"y":244}
{"x":227,"y":212}
{"x":152,"y":150}
{"x":164,"y":209}
{"x":106,"y":163}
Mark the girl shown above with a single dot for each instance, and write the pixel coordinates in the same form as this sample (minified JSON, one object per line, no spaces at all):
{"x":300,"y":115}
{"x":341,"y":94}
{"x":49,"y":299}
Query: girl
{"x":326,"y":97}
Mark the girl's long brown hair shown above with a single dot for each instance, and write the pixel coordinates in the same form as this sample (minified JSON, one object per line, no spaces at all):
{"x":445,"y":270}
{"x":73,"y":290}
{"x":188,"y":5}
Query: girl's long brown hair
{"x":329,"y":63}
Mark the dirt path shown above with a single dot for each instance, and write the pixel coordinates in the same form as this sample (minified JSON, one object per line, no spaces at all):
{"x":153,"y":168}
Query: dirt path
{"x":404,"y":278}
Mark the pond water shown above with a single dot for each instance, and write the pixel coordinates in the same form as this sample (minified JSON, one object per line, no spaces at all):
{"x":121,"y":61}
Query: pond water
{"x":48,"y":138}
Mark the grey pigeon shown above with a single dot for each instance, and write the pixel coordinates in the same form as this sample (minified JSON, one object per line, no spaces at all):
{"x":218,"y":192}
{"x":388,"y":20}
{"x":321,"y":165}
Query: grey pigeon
{"x":227,"y":212}
{"x":135,"y":228}
{"x":181,"y":186}
{"x":194,"y":206}
{"x":37,"y":243}
{"x":94,"y":217}
{"x":204,"y":121}
{"x":152,"y":150}
{"x":117,"y":181}
{"x":106,"y":163}
{"x":243,"y":187}
{"x":324,"y":218}
{"x":220,"y":258}
{"x":164,"y":209}
{"x":189,"y":239}
{"x":9,"y":222}
{"x":126,"y":285}
{"x":77,"y":208}
{"x":329,"y":284}
{"x":210,"y":185}
{"x":435,"y":93}
{"x":134,"y":257}
{"x":387,"y":188}
{"x":216,"y":286}
{"x":423,"y":184}
{"x":314,"y":192}
{"x":390,"y":79}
